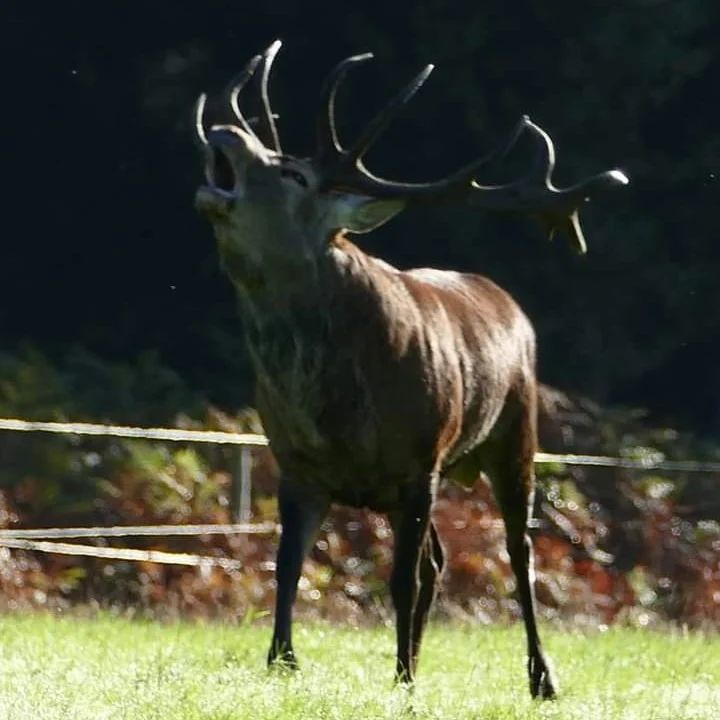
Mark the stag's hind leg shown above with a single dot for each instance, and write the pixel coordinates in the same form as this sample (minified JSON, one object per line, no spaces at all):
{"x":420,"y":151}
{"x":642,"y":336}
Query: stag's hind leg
{"x":513,"y":482}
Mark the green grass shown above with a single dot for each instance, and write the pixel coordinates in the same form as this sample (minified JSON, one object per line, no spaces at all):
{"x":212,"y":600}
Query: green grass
{"x":109,"y":668}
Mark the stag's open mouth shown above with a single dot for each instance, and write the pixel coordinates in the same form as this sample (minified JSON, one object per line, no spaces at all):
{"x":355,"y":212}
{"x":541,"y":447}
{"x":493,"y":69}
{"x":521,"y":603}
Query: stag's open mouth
{"x":215,"y":199}
{"x":219,"y":170}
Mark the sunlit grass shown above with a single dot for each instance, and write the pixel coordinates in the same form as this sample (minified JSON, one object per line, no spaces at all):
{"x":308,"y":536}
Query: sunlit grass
{"x":109,"y":668}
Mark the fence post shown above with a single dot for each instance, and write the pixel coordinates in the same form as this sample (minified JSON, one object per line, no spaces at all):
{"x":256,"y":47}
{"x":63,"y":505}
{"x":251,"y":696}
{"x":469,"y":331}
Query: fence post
{"x":241,"y":486}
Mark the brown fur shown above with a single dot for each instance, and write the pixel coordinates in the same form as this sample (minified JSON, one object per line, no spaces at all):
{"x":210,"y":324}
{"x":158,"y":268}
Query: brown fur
{"x":411,"y":379}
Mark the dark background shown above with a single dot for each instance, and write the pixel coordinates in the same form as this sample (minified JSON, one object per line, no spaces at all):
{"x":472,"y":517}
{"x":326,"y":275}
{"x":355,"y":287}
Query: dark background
{"x":101,"y":248}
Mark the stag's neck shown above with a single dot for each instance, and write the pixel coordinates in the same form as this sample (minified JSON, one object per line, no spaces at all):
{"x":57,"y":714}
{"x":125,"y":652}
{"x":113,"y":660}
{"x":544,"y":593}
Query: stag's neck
{"x":295,"y":319}
{"x":300,"y":341}
{"x":300,"y":298}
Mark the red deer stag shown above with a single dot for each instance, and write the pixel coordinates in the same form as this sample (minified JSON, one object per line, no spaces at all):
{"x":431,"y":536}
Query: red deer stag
{"x":374,"y":383}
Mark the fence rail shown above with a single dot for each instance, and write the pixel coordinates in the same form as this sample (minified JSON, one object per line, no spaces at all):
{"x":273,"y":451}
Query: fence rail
{"x":651,"y":462}
{"x":172,"y":434}
{"x":625,"y":463}
{"x":154,"y":556}
{"x":141,"y":531}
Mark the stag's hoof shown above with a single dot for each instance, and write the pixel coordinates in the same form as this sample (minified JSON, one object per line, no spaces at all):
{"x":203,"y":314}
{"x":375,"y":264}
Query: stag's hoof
{"x":404,"y":684}
{"x":403,"y":677}
{"x":542,"y":682}
{"x":284,"y":661}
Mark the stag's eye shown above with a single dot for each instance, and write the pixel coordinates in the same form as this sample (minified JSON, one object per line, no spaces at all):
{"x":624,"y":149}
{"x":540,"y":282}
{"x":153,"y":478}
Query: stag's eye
{"x":294,"y":175}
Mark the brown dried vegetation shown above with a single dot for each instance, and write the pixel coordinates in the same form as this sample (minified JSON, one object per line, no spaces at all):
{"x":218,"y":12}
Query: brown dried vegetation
{"x":612,"y":545}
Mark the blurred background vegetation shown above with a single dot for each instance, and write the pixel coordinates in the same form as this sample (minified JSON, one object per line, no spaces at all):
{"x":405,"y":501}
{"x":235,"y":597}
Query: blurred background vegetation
{"x":102,"y":248}
{"x":112,"y":305}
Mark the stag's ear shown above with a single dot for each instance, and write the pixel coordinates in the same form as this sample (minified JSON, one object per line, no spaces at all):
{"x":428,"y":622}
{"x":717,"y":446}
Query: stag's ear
{"x":361,"y":214}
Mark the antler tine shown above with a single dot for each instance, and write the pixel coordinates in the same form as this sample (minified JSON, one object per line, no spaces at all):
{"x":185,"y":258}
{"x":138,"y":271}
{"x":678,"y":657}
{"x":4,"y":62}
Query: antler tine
{"x":266,"y":129}
{"x":231,"y":92}
{"x":384,"y":116}
{"x":234,"y":87}
{"x":198,"y":115}
{"x":327,"y":142}
{"x":557,"y":209}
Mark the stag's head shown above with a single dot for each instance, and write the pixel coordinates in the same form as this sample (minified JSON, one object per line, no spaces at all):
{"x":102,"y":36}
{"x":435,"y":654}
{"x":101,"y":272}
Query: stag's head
{"x":270,"y":207}
{"x":266,"y":205}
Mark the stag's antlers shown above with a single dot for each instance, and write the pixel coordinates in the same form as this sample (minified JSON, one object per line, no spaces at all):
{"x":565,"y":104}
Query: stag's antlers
{"x":533,"y":194}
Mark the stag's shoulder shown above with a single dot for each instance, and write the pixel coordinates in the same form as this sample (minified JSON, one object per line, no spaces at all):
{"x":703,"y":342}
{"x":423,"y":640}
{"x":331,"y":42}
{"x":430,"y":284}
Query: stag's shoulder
{"x":456,"y":289}
{"x":451,"y":281}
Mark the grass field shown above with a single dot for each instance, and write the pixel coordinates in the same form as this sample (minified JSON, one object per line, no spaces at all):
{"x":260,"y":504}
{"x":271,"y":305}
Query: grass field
{"x":109,"y":668}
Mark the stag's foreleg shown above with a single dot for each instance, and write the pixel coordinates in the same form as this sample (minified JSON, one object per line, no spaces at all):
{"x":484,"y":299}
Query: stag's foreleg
{"x":513,"y":481}
{"x":412,"y":584}
{"x":300,"y":515}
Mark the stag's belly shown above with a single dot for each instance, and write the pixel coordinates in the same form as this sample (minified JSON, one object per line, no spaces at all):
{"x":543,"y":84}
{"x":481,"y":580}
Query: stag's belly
{"x":366,"y":459}
{"x":337,"y":447}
